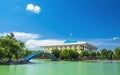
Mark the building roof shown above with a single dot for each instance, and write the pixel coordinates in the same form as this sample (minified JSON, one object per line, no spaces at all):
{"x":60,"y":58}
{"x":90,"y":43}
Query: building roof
{"x":70,"y":41}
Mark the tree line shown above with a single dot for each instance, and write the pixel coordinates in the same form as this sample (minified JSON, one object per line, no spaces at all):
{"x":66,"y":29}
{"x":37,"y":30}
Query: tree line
{"x":103,"y":54}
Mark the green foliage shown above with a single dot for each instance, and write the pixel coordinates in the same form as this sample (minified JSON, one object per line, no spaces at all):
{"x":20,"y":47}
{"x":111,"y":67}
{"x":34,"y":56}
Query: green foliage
{"x":24,"y":53}
{"x":2,"y":52}
{"x":36,"y":51}
{"x":10,"y":47}
{"x":98,"y":53}
{"x":72,"y":54}
{"x":56,"y":53}
{"x":104,"y":53}
{"x":84,"y":54}
{"x":93,"y":54}
{"x":64,"y":54}
{"x":117,"y":52}
{"x":110,"y":52}
{"x":69,"y":55}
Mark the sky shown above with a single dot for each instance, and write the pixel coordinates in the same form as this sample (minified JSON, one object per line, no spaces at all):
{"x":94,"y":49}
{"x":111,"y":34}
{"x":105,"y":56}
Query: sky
{"x":42,"y":22}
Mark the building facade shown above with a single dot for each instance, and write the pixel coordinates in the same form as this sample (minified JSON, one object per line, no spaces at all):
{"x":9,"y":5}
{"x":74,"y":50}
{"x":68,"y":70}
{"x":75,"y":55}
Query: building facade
{"x":71,"y":45}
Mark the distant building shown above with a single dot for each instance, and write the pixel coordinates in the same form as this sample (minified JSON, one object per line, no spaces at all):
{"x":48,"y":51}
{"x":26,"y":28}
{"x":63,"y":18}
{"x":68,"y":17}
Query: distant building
{"x":71,"y":45}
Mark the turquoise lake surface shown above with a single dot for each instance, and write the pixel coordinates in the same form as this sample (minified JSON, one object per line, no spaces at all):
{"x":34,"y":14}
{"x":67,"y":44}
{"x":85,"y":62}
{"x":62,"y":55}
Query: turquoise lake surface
{"x":42,"y":67}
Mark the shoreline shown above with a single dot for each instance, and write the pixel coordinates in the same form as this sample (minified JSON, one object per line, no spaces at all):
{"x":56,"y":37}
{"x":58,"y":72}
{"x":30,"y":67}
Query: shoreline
{"x":101,"y":60}
{"x":25,"y":62}
{"x":14,"y":63}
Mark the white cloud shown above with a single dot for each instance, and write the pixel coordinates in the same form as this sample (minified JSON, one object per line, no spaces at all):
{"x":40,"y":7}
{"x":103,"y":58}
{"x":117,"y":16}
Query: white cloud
{"x":105,"y":43}
{"x":35,"y":44}
{"x":23,"y":36}
{"x":31,"y":41}
{"x":33,"y":8}
{"x":116,"y":38}
{"x":4,"y":34}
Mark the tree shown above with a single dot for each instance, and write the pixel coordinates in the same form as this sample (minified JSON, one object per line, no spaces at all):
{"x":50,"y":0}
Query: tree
{"x":98,"y":54}
{"x":36,"y":51}
{"x":25,"y":53}
{"x":104,"y":53}
{"x":64,"y":54}
{"x":93,"y":54}
{"x":2,"y":52}
{"x":84,"y":54}
{"x":69,"y":54}
{"x":11,"y":46}
{"x":73,"y":55}
{"x":110,"y":54}
{"x":117,"y":52}
{"x":56,"y":53}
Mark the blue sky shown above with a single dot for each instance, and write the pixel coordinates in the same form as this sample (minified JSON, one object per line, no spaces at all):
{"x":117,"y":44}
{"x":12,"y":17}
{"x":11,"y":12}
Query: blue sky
{"x":94,"y":21}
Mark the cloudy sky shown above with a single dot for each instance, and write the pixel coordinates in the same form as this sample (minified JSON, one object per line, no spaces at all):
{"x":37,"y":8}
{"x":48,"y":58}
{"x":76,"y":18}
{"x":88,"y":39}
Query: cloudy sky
{"x":42,"y":22}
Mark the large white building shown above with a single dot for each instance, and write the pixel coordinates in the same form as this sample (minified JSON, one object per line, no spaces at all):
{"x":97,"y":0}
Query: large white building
{"x":71,"y":45}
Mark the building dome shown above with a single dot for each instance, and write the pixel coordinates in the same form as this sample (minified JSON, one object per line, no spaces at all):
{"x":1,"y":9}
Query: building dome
{"x":70,"y":41}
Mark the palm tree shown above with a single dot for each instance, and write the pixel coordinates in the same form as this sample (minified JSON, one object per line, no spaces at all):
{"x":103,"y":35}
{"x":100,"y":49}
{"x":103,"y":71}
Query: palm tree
{"x":104,"y":53}
{"x":93,"y":54}
{"x":117,"y":52}
{"x":110,"y":54}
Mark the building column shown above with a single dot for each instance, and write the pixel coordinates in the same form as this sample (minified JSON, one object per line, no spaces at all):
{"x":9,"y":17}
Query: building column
{"x":62,"y":47}
{"x":79,"y":49}
{"x":84,"y":47}
{"x":73,"y":48}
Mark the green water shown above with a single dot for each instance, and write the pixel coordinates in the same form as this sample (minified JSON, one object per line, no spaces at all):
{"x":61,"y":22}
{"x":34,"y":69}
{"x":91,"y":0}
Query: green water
{"x":62,"y":68}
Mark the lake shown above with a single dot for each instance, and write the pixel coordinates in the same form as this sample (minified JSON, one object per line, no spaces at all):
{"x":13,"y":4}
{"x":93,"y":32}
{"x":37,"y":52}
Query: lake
{"x":42,"y":67}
